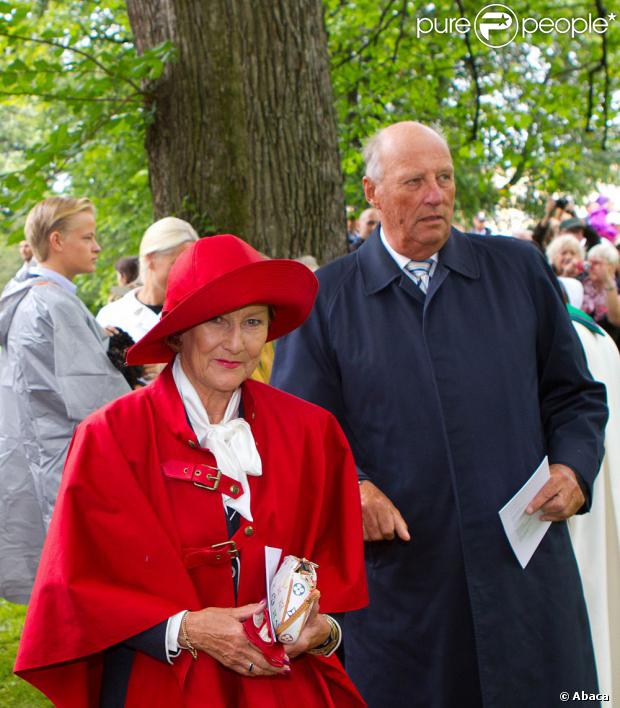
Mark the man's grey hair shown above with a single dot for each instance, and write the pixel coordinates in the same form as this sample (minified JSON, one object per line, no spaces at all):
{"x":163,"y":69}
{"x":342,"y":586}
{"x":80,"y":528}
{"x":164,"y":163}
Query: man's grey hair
{"x":374,"y":144}
{"x":371,"y":152}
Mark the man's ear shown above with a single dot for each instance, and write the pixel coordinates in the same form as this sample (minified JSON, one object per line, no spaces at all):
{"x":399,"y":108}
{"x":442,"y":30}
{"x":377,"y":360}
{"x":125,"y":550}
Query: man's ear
{"x":370,"y":192}
{"x":55,"y":240}
{"x":174,"y":342}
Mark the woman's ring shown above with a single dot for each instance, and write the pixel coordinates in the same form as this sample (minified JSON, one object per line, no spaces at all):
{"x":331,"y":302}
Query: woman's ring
{"x":250,"y":668}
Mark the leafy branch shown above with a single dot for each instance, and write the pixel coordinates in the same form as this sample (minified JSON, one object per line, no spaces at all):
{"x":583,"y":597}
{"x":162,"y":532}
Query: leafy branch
{"x":61,"y":97}
{"x":470,"y":61}
{"x":603,"y":66}
{"x":383,"y":23}
{"x":81,"y":52}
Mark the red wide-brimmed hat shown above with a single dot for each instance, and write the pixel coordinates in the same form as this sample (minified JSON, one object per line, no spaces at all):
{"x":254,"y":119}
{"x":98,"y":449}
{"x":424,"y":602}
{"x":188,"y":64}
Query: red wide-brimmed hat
{"x":220,"y":274}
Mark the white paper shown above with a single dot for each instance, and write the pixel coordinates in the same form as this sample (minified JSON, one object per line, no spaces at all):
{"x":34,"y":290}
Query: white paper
{"x":525,"y":531}
{"x":272,"y":561}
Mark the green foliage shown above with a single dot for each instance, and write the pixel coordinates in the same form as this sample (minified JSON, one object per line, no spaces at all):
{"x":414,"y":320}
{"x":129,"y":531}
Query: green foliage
{"x":14,"y":693}
{"x":72,"y":120}
{"x":535,"y":117}
{"x":518,"y":116}
{"x":9,"y":264}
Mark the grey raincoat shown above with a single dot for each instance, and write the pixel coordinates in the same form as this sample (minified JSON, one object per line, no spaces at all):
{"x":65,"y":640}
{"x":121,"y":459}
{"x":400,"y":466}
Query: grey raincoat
{"x":54,"y":371}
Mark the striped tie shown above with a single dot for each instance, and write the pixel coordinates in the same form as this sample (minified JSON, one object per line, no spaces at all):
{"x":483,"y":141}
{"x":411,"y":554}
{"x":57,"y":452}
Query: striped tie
{"x":420,"y":272}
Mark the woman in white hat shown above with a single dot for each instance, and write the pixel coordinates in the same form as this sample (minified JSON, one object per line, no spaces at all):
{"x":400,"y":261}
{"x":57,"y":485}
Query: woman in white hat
{"x":138,"y":311}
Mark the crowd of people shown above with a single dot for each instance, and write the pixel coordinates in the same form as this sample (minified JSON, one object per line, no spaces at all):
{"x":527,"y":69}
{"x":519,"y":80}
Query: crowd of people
{"x":432,"y":370}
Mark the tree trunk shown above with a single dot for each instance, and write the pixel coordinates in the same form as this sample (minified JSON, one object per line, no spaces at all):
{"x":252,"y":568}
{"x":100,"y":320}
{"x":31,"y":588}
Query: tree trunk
{"x":243,"y":132}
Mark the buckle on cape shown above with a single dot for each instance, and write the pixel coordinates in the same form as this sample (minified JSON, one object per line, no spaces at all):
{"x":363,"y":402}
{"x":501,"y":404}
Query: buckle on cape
{"x":233,"y":551}
{"x":210,"y":477}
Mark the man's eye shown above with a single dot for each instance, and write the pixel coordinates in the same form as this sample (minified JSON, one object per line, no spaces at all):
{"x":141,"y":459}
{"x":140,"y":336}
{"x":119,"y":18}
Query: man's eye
{"x":445,"y":178}
{"x":254,"y":322}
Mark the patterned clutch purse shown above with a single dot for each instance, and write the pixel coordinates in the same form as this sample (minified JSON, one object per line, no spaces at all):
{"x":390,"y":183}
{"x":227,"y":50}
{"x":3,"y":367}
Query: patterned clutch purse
{"x":292,"y":595}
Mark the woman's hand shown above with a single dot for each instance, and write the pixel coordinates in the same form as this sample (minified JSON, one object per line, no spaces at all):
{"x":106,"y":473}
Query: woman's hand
{"x":314,"y":633}
{"x":218,"y":632}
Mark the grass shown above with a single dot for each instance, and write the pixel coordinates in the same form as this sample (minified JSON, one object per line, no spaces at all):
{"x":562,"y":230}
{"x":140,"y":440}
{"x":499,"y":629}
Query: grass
{"x":14,"y":693}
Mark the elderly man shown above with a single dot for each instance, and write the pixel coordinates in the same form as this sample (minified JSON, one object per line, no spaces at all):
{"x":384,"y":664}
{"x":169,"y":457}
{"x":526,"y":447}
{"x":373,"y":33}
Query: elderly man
{"x":452,"y":367}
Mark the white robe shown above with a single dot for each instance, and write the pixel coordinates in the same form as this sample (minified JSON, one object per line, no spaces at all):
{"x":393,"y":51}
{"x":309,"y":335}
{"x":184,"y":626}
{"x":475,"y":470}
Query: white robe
{"x":596,"y":536}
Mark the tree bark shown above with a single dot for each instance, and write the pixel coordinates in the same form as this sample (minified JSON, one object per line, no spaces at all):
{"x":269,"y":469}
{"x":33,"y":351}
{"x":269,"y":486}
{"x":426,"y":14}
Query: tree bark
{"x":242,"y":137}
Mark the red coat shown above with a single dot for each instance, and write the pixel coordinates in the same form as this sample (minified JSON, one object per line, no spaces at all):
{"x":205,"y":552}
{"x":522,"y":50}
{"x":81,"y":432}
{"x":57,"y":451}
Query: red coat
{"x":116,"y":558}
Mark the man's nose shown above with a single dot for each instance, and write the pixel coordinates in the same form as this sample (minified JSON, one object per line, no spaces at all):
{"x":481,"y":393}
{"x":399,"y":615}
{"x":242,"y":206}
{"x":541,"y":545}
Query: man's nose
{"x":96,"y":247}
{"x":434,"y":194}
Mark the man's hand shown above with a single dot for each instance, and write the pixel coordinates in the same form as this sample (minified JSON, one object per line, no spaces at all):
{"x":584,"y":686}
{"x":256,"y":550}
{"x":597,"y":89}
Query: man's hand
{"x":560,"y":498}
{"x":382,"y":520}
{"x":218,"y":632}
{"x":315,"y":632}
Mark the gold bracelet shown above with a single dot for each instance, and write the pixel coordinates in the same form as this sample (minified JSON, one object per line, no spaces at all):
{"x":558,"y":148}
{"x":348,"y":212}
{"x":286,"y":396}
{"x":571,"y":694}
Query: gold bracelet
{"x":188,"y":645}
{"x":328,"y":647}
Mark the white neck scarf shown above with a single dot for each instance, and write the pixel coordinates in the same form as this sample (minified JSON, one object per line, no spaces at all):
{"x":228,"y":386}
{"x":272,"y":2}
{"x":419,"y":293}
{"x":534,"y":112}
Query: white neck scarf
{"x":230,"y":441}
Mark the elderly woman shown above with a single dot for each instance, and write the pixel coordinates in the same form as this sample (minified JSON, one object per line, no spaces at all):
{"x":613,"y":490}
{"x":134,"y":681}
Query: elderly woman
{"x":566,"y":255}
{"x":600,"y":289}
{"x":139,"y":309}
{"x":156,"y":553}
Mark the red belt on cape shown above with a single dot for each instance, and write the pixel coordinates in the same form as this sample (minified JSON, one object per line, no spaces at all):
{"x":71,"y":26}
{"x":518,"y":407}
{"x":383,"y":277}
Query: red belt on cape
{"x":202,"y":475}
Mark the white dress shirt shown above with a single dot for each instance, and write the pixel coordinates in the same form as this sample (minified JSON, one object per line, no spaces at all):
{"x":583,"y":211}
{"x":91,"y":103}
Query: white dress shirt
{"x":403,"y":261}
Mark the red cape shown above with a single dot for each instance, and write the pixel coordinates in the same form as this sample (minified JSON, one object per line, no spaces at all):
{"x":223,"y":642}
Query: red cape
{"x":113,"y":562}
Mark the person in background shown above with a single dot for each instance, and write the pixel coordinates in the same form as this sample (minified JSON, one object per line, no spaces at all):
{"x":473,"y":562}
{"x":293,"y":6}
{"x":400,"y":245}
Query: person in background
{"x":139,"y":309}
{"x":556,"y":211}
{"x":578,"y":228}
{"x":454,"y":370}
{"x":596,"y":536}
{"x":352,"y":233}
{"x":54,"y":371}
{"x":598,"y":218}
{"x":29,"y":261}
{"x":368,"y":221}
{"x":127,"y":271}
{"x":480,"y":225}
{"x":25,"y":251}
{"x":600,"y":289}
{"x":566,"y":256}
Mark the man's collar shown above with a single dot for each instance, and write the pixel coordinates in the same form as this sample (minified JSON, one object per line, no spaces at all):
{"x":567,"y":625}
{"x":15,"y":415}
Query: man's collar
{"x":379,"y":268}
{"x":458,"y":254}
{"x":401,"y":261}
{"x":55,"y":277}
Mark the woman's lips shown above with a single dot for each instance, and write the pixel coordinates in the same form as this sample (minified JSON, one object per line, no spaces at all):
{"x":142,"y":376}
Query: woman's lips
{"x":228,"y":364}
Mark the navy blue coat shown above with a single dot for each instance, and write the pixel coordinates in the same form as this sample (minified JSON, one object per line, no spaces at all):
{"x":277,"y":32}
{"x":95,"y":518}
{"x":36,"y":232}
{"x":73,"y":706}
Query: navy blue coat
{"x":450,"y":402}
